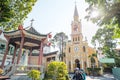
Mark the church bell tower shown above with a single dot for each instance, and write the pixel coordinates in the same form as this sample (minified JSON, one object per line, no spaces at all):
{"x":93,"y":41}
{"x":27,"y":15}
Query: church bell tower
{"x":76,"y":28}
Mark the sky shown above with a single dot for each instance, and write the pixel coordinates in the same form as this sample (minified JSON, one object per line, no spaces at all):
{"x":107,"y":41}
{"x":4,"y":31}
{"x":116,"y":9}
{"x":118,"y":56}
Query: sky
{"x":56,"y":16}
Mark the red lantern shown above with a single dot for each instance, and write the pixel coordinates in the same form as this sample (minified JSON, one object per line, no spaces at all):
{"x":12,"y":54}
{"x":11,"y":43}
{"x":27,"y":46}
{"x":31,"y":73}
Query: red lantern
{"x":49,"y":44}
{"x":49,"y":35}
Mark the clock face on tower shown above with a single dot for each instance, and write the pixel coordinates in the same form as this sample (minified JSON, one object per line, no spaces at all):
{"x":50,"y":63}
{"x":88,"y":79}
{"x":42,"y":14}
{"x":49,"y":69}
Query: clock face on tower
{"x":76,"y":48}
{"x":75,"y":28}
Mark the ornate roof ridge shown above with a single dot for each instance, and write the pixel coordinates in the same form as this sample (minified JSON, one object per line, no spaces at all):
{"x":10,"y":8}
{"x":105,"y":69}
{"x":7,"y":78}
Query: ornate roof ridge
{"x":50,"y":53}
{"x":30,"y":29}
{"x":2,"y":37}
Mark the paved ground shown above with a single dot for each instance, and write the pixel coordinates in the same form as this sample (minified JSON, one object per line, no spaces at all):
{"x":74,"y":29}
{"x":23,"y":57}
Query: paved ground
{"x":104,"y":77}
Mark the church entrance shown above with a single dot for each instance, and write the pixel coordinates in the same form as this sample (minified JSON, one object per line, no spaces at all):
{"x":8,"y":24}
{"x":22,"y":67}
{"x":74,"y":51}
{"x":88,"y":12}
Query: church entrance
{"x":77,"y":63}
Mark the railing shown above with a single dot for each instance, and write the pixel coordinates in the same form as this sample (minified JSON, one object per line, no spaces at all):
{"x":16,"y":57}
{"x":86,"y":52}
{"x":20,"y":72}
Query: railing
{"x":116,"y":73}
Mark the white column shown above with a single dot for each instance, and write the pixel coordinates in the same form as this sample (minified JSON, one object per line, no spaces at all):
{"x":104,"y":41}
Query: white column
{"x":82,"y":64}
{"x":88,"y":63}
{"x":26,"y":58}
{"x":72,"y":63}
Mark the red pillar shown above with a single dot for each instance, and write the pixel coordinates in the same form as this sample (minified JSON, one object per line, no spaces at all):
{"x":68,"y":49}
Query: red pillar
{"x":5,"y":55}
{"x":14,"y":55}
{"x":30,"y":56}
{"x":20,"y":51}
{"x":40,"y":54}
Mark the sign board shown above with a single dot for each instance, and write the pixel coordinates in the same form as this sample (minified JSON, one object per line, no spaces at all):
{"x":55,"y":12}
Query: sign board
{"x":107,"y":60}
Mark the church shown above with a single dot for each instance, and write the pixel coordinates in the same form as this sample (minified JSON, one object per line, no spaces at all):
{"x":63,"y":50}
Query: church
{"x":77,"y":50}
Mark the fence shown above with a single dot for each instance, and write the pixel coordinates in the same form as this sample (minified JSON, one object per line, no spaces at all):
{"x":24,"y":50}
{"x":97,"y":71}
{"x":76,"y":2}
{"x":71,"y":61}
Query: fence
{"x":116,"y":73}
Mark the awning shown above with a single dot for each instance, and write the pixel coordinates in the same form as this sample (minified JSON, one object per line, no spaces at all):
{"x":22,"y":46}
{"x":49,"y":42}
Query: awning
{"x":107,"y":60}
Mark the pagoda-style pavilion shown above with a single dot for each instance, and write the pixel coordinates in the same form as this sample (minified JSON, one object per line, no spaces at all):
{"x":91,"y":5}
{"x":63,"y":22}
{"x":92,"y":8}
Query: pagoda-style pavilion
{"x":25,"y":38}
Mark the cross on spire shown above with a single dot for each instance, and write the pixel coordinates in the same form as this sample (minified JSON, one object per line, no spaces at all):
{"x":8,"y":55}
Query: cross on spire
{"x":32,"y":22}
{"x":75,"y":11}
{"x":75,"y":2}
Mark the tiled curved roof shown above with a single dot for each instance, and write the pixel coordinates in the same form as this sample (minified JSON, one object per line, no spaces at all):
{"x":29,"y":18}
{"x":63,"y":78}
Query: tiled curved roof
{"x":29,"y":30}
{"x":33,"y":31}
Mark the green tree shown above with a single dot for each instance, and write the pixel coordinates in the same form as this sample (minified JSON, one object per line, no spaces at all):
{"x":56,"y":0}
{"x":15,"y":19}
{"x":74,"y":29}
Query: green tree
{"x":92,"y":59}
{"x":104,"y":37}
{"x":34,"y":74}
{"x":109,"y":13}
{"x":109,"y":19}
{"x":14,"y":12}
{"x":60,"y":40}
{"x":57,"y":70}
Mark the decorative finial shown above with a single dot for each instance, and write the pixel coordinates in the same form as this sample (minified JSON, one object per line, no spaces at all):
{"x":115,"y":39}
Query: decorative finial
{"x":1,"y":28}
{"x":85,"y":38}
{"x":32,"y":22}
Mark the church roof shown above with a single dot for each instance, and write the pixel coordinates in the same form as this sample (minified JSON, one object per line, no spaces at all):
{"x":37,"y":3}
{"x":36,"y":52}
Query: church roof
{"x":76,"y":11}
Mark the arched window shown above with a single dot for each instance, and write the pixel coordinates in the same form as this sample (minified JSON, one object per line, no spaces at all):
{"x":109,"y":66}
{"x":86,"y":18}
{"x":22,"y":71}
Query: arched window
{"x":85,"y":64}
{"x":84,"y":49}
{"x":69,"y":65}
{"x":69,"y":49}
{"x":77,"y":63}
{"x":78,"y":38}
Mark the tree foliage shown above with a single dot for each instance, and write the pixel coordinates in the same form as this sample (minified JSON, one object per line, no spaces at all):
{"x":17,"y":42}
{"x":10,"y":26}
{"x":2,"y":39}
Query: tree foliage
{"x":60,"y":40}
{"x":57,"y":70}
{"x":104,"y":37}
{"x":109,"y":21}
{"x":14,"y":12}
{"x":109,"y":13}
{"x":92,"y":58}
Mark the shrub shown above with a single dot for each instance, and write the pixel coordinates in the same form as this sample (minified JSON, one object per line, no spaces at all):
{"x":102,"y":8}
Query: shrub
{"x":1,"y":71}
{"x":57,"y":71}
{"x":34,"y":74}
{"x":94,"y":71}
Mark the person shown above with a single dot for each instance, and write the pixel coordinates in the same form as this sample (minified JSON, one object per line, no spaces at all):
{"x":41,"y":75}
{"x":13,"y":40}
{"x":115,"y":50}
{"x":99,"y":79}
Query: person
{"x":76,"y":69}
{"x":78,"y":75}
{"x":83,"y":74}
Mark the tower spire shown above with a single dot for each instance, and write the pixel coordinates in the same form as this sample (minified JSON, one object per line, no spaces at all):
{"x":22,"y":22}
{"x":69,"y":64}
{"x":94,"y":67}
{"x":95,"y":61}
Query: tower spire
{"x":76,"y":16}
